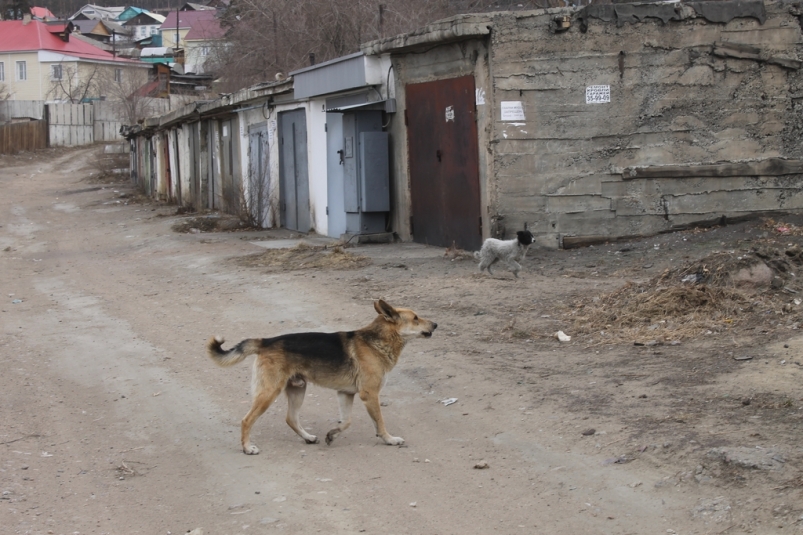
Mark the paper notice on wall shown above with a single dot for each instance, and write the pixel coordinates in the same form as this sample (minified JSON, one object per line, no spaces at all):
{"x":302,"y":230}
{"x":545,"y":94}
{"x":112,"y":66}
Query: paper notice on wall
{"x":512,"y":110}
{"x":449,"y":113}
{"x":598,"y":94}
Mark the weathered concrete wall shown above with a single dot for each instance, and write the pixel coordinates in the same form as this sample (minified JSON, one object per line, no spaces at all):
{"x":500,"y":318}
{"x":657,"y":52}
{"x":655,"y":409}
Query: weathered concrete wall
{"x":683,"y":92}
{"x":15,"y":109}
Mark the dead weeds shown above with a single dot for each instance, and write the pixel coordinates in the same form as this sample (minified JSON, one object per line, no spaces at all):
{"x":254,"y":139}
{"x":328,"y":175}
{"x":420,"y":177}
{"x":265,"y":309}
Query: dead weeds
{"x":707,"y":296}
{"x":304,"y":256}
{"x":208,"y":223}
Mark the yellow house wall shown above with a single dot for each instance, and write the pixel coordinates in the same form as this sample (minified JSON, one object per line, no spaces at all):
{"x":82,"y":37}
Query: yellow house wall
{"x":169,"y":37}
{"x":30,"y":89}
{"x":100,"y":76}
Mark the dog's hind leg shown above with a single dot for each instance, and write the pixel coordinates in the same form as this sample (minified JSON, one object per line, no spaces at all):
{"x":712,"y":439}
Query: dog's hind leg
{"x":370,"y":397}
{"x":346,"y":402}
{"x":494,"y":261}
{"x":266,"y":385}
{"x":262,"y":400}
{"x":515,"y":267}
{"x":486,"y":264}
{"x":295,"y":397}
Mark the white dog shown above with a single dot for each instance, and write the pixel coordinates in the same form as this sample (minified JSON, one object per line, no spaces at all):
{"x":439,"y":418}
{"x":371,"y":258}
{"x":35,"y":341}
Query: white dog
{"x":511,"y":252}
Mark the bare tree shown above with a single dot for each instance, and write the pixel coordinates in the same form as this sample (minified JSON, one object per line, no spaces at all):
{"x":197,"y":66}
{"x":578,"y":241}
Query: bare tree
{"x":122,"y":88}
{"x":68,"y":83}
{"x":277,"y":36}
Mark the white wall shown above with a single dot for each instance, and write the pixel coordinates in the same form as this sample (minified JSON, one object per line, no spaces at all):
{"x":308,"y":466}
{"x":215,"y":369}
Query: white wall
{"x":316,"y":156}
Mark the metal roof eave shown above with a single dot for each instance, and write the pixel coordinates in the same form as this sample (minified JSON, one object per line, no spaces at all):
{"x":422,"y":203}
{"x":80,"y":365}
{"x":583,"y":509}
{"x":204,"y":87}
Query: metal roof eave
{"x":225,"y":104}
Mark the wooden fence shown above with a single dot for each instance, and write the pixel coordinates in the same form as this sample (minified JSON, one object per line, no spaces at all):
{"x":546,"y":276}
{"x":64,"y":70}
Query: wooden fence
{"x":30,"y":135}
{"x":69,"y":125}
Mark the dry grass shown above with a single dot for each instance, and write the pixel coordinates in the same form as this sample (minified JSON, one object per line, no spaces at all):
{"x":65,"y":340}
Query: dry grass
{"x":304,"y":256}
{"x":216,"y":223}
{"x":782,"y":228}
{"x":707,"y":296}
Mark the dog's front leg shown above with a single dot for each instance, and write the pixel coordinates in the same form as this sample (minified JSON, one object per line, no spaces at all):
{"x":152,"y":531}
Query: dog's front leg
{"x":346,"y":402}
{"x":371,"y":399}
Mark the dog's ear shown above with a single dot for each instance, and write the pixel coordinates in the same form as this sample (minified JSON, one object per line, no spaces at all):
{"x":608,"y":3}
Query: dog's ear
{"x":384,"y":309}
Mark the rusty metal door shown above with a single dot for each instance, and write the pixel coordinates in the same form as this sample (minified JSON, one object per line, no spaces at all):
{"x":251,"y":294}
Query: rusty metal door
{"x":444,"y":163}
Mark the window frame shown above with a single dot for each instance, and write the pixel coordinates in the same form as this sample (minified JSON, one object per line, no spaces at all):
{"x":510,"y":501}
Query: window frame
{"x":56,"y":67}
{"x":21,"y":71}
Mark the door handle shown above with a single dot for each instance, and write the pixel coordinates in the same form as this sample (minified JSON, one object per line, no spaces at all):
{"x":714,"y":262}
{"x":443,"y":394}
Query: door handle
{"x":438,"y":153}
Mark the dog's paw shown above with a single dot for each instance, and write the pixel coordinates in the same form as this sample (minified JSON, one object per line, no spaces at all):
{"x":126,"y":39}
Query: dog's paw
{"x":312,"y":439}
{"x":393,"y":441}
{"x":250,"y":449}
{"x":331,"y":435}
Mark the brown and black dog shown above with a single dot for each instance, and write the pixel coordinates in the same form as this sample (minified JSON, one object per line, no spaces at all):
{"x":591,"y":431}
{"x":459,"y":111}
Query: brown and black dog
{"x":352,"y":362}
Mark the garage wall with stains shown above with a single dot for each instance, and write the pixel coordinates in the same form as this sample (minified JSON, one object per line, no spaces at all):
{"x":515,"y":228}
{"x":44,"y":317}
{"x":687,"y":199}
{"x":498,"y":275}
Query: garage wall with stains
{"x":438,"y":62}
{"x":630,"y":119}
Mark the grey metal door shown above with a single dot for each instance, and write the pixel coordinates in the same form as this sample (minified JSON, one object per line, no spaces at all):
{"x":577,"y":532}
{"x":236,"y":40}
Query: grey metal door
{"x":293,"y":171}
{"x":231,"y":191}
{"x":258,"y":175}
{"x":335,"y":202}
{"x":444,"y":163}
{"x":195,"y":176}
{"x":213,"y":150}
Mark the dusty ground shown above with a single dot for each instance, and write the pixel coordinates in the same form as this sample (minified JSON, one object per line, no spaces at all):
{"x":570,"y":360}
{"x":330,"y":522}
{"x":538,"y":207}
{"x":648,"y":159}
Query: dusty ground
{"x":115,"y":422}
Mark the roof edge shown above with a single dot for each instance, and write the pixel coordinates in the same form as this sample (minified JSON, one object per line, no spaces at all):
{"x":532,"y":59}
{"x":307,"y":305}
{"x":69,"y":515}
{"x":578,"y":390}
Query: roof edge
{"x":457,"y":28}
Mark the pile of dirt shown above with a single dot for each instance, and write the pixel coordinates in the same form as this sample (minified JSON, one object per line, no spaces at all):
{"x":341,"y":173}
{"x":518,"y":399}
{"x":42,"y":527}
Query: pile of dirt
{"x":754,"y":290}
{"x":304,"y":256}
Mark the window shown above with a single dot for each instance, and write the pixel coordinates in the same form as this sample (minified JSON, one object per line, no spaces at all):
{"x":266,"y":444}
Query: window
{"x":2,"y":71}
{"x":55,"y":72}
{"x":118,"y":75}
{"x":22,"y":71}
{"x":204,"y":50}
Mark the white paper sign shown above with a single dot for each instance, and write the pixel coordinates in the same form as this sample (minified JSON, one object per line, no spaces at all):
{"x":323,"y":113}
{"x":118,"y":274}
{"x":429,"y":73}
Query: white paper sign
{"x":449,"y":113}
{"x":512,"y":110}
{"x":479,"y":96}
{"x":598,"y":94}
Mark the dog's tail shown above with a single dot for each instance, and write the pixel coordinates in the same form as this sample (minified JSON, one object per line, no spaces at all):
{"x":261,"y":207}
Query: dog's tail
{"x":477,"y":255}
{"x":232,"y":356}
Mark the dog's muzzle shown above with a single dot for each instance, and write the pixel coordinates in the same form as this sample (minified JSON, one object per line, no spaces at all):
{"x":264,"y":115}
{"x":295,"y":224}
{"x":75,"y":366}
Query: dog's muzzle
{"x":427,"y":334}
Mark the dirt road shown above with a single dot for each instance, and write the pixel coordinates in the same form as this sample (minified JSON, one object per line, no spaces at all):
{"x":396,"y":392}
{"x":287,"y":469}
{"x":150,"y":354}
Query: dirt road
{"x":114,"y":421}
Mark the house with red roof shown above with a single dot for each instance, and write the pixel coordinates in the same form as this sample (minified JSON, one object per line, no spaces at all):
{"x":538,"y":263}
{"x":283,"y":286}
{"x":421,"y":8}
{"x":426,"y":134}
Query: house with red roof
{"x":42,"y":13}
{"x":204,"y":41}
{"x":199,"y":33}
{"x":39,"y":61}
{"x":179,"y":23}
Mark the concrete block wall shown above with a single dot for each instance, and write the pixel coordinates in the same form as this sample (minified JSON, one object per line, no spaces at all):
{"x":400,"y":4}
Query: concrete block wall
{"x":683,"y":92}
